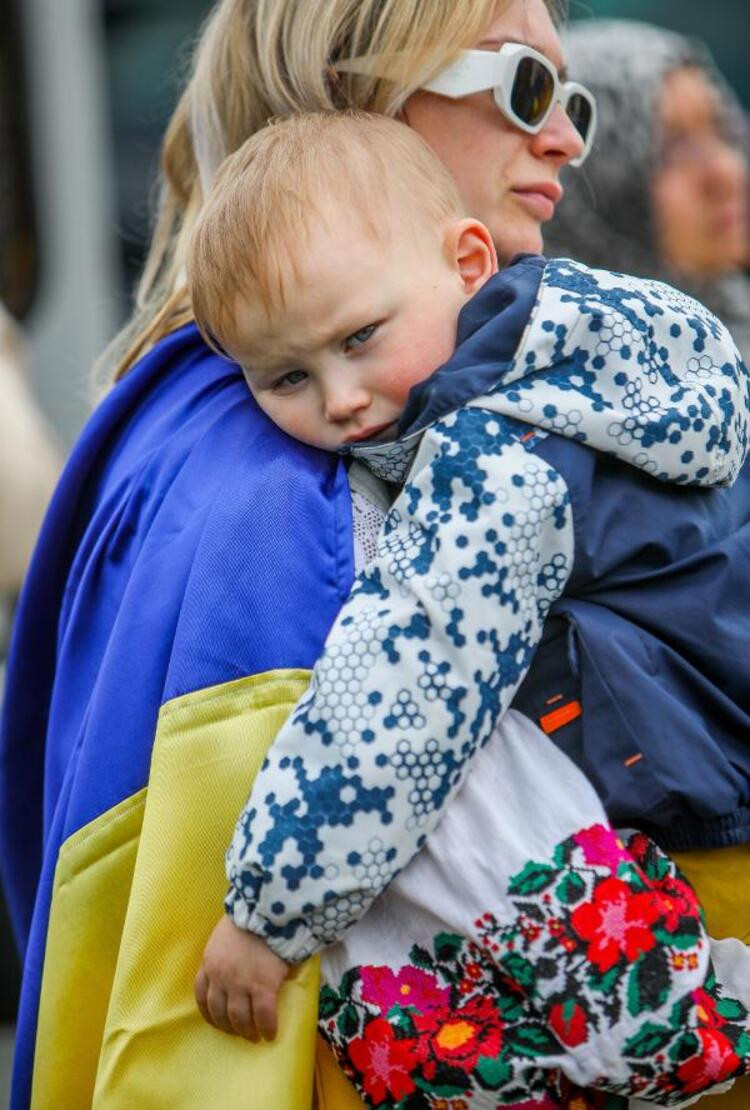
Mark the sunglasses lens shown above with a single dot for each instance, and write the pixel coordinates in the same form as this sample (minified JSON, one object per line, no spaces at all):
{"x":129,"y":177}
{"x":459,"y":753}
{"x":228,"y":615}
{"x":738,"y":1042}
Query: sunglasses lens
{"x":532,"y":92}
{"x":579,"y":111}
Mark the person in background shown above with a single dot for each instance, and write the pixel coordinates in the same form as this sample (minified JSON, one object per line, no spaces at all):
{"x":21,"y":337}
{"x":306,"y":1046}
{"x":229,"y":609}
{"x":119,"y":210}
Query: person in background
{"x":671,"y":202}
{"x":191,"y":564}
{"x":29,"y":461}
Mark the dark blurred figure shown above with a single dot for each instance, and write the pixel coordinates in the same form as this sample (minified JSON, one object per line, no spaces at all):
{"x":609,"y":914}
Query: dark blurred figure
{"x":671,"y":201}
{"x":147,"y":50}
{"x":29,"y":464}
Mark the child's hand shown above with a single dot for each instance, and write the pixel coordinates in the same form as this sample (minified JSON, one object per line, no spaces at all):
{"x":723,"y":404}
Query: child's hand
{"x":238,"y":982}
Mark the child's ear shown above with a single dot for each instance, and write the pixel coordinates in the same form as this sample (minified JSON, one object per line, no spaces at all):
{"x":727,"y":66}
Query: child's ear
{"x":470,"y":248}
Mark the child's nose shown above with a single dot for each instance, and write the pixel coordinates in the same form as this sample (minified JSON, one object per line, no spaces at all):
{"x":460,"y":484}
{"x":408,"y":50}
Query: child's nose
{"x":345,"y":401}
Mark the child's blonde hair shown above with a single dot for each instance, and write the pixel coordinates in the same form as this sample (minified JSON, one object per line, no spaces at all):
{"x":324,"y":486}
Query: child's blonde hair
{"x":255,"y":223}
{"x":256,"y":59}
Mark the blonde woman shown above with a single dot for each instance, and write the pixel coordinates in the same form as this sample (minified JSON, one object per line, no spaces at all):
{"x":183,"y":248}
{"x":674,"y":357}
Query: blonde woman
{"x":193,"y":559}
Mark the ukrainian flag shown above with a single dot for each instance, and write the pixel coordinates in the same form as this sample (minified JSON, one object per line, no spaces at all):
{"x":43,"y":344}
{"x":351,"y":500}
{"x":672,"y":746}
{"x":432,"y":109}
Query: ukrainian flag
{"x":190,"y":565}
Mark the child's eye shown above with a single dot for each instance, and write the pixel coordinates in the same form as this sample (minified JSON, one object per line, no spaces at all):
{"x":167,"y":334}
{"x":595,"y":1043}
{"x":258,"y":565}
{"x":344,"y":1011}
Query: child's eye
{"x":289,"y":381}
{"x":358,"y":338}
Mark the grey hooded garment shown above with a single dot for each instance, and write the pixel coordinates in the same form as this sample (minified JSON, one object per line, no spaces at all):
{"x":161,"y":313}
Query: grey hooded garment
{"x":606,"y":217}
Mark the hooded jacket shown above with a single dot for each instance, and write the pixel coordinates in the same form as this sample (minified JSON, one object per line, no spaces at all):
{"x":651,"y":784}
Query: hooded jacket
{"x":621,"y":511}
{"x":519,"y":499}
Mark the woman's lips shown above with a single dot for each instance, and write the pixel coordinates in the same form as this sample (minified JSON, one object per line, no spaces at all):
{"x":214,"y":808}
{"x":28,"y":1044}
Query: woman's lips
{"x":540,"y":200}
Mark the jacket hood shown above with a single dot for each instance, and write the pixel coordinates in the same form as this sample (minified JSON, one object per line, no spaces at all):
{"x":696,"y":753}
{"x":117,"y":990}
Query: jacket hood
{"x":628,"y":366}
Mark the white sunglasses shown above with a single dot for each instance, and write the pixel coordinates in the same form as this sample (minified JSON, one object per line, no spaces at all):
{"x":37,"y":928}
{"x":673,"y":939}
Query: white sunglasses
{"x":524,"y":83}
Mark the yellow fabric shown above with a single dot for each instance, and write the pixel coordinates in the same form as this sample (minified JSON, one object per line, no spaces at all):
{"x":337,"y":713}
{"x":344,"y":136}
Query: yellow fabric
{"x":333,"y":1091}
{"x":721,"y":877}
{"x":92,"y":882}
{"x":157,"y":1051}
{"x":135,"y":895}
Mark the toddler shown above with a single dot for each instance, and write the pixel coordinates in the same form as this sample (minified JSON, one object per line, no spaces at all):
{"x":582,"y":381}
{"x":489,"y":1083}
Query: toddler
{"x":565,"y":461}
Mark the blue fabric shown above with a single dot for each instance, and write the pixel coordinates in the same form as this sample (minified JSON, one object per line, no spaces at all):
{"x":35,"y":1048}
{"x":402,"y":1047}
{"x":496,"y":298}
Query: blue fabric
{"x":494,"y":320}
{"x":652,"y":635}
{"x":181,"y":550}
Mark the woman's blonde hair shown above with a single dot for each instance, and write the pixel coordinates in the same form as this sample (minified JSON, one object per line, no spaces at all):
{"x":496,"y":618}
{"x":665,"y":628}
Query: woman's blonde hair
{"x":256,"y":59}
{"x":286,"y":180}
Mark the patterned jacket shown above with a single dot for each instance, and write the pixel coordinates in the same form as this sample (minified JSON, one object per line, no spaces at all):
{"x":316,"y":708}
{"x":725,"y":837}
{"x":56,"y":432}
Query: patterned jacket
{"x":517,"y":500}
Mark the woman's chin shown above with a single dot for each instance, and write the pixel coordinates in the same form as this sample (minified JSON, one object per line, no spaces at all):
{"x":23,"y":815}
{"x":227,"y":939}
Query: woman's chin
{"x":515,"y":233}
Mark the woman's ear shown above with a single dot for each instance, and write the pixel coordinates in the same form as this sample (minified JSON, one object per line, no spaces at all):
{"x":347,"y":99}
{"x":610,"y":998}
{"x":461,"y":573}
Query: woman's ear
{"x":469,"y":247}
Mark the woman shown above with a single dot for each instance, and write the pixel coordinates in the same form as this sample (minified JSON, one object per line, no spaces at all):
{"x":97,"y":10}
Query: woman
{"x":173,"y":581}
{"x":672,"y":202}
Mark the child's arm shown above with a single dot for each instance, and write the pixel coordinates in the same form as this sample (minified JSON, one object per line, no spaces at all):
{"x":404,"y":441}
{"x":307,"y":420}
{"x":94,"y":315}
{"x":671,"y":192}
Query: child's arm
{"x":635,"y":369}
{"x":428,"y":651}
{"x":426,"y":663}
{"x":238,"y":982}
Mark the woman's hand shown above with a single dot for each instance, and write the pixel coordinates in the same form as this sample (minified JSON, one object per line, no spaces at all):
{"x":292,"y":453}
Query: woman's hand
{"x":238,"y":983}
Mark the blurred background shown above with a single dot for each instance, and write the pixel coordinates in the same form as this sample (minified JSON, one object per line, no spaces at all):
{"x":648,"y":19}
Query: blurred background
{"x":86,"y":87}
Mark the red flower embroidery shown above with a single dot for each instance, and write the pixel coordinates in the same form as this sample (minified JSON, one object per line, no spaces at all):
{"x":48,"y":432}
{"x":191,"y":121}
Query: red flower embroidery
{"x":716,"y":1062}
{"x":410,"y":986}
{"x":677,"y":899}
{"x":567,"y":1021}
{"x":460,"y":1036}
{"x":386,"y":1064}
{"x":706,"y":1011}
{"x":639,"y":846}
{"x":616,"y":923}
{"x":601,"y":845}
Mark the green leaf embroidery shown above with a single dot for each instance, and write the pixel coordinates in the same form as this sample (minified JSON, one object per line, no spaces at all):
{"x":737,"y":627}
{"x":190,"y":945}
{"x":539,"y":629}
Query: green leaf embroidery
{"x":533,"y":878}
{"x":348,"y":1022}
{"x":520,"y":970}
{"x":447,"y":946}
{"x":684,"y":1047}
{"x":605,"y":983}
{"x":402,"y":1021}
{"x":742,"y":1045}
{"x":448,"y":1082}
{"x":493,"y":1072}
{"x":683,"y":941}
{"x":648,"y":982}
{"x":328,"y":1002}
{"x":532,"y":1040}
{"x":570,"y":889}
{"x":420,"y":957}
{"x":510,"y":1005}
{"x":648,"y":1040}
{"x":731,"y":1009}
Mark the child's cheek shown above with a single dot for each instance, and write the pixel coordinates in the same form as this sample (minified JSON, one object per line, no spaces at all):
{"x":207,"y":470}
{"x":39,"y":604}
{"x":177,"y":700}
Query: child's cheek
{"x":414,"y":362}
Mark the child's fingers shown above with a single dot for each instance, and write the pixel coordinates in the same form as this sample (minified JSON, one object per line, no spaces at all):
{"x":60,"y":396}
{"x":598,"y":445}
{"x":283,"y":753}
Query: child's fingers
{"x":264,"y":1013}
{"x":216,"y":1004}
{"x":201,"y":995}
{"x":240,"y":1016}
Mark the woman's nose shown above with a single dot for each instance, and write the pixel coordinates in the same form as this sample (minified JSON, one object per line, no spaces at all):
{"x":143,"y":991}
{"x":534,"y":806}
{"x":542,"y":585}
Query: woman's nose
{"x":345,"y":400}
{"x":559,"y":139}
{"x":726,"y":170}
